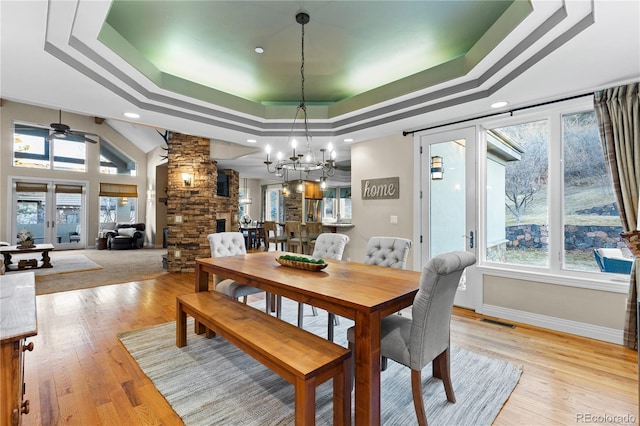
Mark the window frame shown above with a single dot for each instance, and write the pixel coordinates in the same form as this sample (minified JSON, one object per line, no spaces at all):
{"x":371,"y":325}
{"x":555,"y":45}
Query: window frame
{"x":49,"y":154}
{"x":554,"y":273}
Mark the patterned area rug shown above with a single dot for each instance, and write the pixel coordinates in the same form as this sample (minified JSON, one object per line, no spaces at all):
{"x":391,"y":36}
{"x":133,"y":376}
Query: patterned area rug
{"x":211,"y":382}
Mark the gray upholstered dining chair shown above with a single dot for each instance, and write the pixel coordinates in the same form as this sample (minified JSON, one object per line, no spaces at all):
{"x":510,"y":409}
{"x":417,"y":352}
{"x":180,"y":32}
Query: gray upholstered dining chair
{"x":231,"y":244}
{"x":327,"y":246}
{"x":388,"y":251}
{"x":415,"y":342}
{"x":391,"y":252}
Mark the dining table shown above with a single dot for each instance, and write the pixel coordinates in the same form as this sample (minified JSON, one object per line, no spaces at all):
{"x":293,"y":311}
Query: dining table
{"x":361,"y":292}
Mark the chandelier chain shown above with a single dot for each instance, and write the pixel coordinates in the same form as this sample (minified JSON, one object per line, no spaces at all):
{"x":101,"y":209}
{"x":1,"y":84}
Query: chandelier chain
{"x":297,"y":161}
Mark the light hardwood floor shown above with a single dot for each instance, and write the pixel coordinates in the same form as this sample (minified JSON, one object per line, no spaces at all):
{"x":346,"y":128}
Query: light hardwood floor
{"x":80,"y":374}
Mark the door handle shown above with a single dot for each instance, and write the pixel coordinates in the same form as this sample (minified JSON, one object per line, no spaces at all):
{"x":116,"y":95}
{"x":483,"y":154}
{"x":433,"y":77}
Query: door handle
{"x":471,"y":239}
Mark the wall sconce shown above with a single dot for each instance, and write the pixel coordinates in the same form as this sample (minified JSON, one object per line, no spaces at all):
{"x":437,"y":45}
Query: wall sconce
{"x":300,"y":187}
{"x":285,"y":189}
{"x":187,"y":178}
{"x":437,"y":168}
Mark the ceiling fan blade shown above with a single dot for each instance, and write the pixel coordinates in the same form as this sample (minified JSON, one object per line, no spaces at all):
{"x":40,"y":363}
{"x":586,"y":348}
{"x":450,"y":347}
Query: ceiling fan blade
{"x":83,"y":135}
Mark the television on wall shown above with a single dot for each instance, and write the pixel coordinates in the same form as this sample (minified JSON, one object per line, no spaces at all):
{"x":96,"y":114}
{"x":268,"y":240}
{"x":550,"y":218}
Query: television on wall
{"x":223,"y":185}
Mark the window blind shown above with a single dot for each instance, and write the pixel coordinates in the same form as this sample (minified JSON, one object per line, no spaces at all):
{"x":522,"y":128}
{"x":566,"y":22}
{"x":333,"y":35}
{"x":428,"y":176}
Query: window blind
{"x":31,"y":187}
{"x":68,"y":189}
{"x":118,"y":190}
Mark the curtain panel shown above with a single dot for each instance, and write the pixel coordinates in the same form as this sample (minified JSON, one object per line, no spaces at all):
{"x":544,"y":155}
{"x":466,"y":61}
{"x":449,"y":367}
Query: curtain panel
{"x":618,"y":113}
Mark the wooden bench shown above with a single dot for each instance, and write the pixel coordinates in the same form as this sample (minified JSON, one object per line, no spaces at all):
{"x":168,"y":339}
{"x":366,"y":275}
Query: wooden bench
{"x":300,"y":357}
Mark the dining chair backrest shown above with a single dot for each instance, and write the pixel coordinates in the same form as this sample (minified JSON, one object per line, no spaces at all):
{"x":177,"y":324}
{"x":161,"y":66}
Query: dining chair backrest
{"x":226,"y":244}
{"x":295,"y":239}
{"x":313,"y":229}
{"x":270,"y":228}
{"x":330,"y":246}
{"x":432,"y":306}
{"x":388,"y":251}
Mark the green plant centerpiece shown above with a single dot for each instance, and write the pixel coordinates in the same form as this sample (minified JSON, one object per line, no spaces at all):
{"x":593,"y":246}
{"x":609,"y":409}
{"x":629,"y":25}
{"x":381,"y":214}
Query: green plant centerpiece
{"x":302,"y":262}
{"x":302,"y":259}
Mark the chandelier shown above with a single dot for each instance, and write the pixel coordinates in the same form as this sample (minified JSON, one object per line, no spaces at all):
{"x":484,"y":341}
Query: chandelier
{"x":302,"y":160}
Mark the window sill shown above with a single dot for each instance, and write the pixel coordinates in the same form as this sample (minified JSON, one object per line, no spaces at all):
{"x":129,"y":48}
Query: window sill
{"x":604,"y":282}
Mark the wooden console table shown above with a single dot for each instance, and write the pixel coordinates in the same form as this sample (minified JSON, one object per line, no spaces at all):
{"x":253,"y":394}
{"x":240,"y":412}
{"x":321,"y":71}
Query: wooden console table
{"x":45,"y":262}
{"x":18,"y":307}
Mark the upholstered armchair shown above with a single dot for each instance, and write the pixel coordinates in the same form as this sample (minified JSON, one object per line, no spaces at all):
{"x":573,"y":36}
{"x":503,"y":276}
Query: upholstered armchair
{"x":231,"y":244}
{"x":415,"y":342}
{"x":126,"y":236}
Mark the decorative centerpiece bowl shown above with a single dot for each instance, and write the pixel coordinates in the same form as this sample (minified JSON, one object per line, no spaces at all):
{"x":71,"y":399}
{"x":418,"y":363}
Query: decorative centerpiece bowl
{"x":26,"y":239}
{"x":300,"y":262}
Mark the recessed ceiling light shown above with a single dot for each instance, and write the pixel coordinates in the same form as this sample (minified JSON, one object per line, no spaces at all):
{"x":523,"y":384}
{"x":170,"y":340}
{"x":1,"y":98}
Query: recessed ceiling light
{"x":499,"y":104}
{"x":131,"y":115}
{"x":259,"y":49}
{"x":348,"y":140}
{"x":251,"y":141}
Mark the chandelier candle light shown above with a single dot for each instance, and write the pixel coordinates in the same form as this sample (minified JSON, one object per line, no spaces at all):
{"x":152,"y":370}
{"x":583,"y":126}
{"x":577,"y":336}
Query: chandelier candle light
{"x":302,"y":162}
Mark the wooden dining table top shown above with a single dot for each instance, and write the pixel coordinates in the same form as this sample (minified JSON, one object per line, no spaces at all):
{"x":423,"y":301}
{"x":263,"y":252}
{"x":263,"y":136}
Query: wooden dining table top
{"x":342,"y":287}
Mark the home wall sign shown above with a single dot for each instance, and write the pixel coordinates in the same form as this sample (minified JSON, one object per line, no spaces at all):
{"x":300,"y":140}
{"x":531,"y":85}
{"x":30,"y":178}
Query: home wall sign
{"x":381,"y":189}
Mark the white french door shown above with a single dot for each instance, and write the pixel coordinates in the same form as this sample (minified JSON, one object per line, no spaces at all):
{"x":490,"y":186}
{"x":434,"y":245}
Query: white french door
{"x":53,"y":211}
{"x":448,"y":207}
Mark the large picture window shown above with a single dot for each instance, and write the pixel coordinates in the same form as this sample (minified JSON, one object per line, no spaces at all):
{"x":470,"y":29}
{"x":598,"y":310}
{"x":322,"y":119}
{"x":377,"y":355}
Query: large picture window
{"x":550,"y":201}
{"x":31,"y":148}
{"x":115,"y":162}
{"x":118,"y":204}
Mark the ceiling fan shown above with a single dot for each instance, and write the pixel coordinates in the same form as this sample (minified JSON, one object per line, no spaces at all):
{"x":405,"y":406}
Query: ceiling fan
{"x":62,"y":131}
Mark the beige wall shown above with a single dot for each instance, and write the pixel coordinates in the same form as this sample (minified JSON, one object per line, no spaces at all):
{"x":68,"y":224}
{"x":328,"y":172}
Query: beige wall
{"x":380,"y":158}
{"x":156,"y":184}
{"x":595,"y":307}
{"x":11,"y":112}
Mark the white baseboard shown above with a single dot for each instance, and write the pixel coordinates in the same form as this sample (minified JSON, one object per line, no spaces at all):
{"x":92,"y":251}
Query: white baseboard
{"x":611,"y":335}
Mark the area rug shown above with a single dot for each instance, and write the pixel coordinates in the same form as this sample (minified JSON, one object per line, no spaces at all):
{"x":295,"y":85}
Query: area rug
{"x":211,"y":382}
{"x":117,"y":266}
{"x":65,"y":265}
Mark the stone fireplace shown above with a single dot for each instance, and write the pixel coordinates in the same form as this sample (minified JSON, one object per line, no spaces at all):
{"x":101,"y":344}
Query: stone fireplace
{"x":193,"y":211}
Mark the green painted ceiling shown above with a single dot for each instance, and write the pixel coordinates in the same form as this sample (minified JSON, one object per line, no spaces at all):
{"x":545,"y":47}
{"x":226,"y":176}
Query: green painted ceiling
{"x":206,"y":48}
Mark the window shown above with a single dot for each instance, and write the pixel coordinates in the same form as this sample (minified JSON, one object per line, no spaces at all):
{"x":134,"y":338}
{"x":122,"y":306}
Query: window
{"x":115,"y":162}
{"x":591,"y":218}
{"x":274,"y":204}
{"x":118,"y":204}
{"x":336,"y":205}
{"x":549,"y":197}
{"x":31,"y":148}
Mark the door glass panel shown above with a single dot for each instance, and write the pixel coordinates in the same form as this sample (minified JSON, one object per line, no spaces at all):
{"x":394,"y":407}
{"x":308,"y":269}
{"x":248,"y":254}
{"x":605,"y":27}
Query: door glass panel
{"x":447,"y":214}
{"x":31,"y":215}
{"x":68,"y":218}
